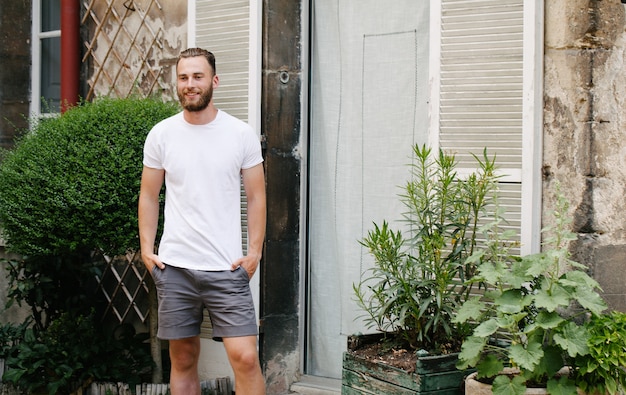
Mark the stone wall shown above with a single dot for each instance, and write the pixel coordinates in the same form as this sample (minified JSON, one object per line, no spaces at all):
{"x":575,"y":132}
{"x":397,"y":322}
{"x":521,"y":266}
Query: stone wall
{"x":14,"y":72}
{"x":585,"y":132}
{"x":281,"y":124}
{"x":131,"y":48}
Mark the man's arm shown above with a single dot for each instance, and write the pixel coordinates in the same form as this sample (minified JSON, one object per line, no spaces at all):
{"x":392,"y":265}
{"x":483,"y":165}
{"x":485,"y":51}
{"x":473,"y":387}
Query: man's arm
{"x":148,"y":211}
{"x":254,"y":186}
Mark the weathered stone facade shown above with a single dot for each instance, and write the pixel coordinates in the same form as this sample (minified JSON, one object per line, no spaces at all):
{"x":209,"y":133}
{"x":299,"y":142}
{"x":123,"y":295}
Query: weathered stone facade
{"x":14,"y":101}
{"x":131,"y":48}
{"x":584,"y":144}
{"x":15,"y":70}
{"x":281,"y":103}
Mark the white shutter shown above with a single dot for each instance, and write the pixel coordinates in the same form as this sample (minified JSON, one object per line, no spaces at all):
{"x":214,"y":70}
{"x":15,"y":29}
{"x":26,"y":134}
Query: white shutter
{"x":481,"y":80}
{"x":478,"y":89}
{"x":223,"y":27}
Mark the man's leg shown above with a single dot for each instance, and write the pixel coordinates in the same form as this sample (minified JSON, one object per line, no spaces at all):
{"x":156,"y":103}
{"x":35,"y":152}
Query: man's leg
{"x":244,"y":359}
{"x":184,"y":355}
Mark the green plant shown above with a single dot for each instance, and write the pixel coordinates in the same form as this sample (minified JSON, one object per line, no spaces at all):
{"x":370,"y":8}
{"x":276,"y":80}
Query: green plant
{"x":69,"y":188}
{"x":51,"y":285}
{"x":417,"y":281}
{"x":603,"y":369}
{"x":533,"y":312}
{"x":73,"y":350}
{"x":71,"y":183}
{"x":10,"y":335}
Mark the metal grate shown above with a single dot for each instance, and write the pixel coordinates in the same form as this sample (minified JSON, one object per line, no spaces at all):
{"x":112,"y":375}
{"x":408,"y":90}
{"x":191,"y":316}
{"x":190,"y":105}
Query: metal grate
{"x":123,"y":47}
{"x":123,"y":284}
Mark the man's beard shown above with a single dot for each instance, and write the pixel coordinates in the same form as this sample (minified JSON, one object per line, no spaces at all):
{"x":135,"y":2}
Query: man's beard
{"x":203,"y":100}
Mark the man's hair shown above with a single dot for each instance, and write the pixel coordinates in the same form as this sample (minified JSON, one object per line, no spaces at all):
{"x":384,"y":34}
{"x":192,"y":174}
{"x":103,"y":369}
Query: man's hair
{"x":193,"y":52}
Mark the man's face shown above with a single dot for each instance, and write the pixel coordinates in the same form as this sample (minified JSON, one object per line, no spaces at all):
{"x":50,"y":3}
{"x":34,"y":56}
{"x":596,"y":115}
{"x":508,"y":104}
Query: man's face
{"x":194,"y":83}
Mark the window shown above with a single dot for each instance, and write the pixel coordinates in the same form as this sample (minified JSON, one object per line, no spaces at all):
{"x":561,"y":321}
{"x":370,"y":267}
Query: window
{"x":46,"y":55}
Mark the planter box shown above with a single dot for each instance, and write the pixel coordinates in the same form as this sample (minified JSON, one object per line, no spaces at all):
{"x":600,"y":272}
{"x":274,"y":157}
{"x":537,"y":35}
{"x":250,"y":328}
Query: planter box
{"x":433,"y":375}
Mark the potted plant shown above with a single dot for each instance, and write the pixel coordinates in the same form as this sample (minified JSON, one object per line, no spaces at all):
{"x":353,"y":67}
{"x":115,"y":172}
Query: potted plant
{"x":417,"y":281}
{"x":536,"y":316}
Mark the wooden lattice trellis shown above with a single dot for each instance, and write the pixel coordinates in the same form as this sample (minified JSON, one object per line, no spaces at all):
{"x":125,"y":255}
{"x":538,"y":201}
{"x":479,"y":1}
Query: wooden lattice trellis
{"x":123,"y":284}
{"x":124,"y":47}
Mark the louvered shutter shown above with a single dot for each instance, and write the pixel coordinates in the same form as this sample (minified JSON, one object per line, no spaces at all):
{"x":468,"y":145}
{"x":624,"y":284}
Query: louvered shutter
{"x":478,"y":90}
{"x":223,"y":27}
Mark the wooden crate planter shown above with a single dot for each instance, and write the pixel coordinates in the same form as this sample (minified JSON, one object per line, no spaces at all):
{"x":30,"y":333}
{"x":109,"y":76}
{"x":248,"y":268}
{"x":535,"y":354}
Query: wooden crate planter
{"x":433,"y":375}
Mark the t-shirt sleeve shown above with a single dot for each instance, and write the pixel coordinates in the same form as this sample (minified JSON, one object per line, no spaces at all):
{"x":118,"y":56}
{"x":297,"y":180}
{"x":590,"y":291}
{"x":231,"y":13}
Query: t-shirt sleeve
{"x":252,"y":147}
{"x":152,"y":152}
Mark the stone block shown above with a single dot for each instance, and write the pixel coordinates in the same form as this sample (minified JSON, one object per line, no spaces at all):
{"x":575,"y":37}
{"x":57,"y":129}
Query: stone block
{"x":610,"y":271}
{"x":569,"y":21}
{"x":582,"y":23}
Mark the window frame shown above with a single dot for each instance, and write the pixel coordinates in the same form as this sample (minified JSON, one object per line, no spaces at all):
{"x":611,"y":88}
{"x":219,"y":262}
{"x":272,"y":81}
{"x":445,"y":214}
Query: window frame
{"x":36,"y":67}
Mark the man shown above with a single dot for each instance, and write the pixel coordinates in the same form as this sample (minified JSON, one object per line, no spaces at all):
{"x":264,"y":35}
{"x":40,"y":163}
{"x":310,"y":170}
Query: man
{"x":202,"y":154}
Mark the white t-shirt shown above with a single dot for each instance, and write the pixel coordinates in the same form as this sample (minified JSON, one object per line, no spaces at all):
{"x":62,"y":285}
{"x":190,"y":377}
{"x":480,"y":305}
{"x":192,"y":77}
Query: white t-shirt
{"x":202,"y":163}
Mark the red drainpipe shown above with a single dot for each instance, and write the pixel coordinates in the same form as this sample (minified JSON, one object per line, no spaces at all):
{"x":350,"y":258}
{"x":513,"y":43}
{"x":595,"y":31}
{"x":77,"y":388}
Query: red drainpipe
{"x":70,"y":53}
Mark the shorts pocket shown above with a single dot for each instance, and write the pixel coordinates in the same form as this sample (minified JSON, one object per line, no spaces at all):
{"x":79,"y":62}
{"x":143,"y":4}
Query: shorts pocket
{"x":244,"y":273}
{"x":156,"y":274}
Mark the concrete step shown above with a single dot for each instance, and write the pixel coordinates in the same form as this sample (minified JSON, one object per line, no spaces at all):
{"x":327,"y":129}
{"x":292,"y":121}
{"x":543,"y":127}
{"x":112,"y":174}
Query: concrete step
{"x":313,"y":385}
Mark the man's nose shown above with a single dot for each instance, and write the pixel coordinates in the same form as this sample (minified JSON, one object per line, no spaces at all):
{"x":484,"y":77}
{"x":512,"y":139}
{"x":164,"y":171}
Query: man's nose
{"x":190,"y":83}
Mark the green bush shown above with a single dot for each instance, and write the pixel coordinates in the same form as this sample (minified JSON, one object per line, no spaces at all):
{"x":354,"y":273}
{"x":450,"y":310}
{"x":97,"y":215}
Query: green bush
{"x":417,"y":280}
{"x":71,"y":184}
{"x":68,"y":189}
{"x":51,"y":285}
{"x":603,"y":370}
{"x":10,"y":336}
{"x":73,"y":350}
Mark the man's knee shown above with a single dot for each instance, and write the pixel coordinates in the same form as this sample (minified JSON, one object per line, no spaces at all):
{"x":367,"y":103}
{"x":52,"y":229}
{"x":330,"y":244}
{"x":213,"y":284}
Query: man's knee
{"x":247,"y":359}
{"x":242,"y":354}
{"x":184,"y":353}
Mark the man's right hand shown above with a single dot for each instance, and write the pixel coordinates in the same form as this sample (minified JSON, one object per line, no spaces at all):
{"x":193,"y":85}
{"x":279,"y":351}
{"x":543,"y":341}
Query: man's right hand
{"x":152,"y":260}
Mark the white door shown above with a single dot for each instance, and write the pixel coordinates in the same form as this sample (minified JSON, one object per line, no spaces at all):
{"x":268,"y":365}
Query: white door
{"x":369,"y":105}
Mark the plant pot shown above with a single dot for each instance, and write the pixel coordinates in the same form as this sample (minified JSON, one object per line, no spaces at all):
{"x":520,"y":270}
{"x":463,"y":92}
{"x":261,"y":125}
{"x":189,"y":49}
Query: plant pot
{"x":433,"y":374}
{"x":475,"y":387}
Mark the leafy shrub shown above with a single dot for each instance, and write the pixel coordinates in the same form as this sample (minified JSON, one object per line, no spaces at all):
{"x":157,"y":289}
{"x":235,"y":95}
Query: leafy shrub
{"x":532,"y":316}
{"x":70,"y":187}
{"x":71,"y":183}
{"x":603,"y":370}
{"x":51,"y":285}
{"x":417,"y":281}
{"x":74,"y":349}
{"x":10,"y":335}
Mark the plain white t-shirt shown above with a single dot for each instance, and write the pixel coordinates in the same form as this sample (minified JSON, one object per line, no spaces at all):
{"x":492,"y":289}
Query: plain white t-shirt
{"x":202,"y":163}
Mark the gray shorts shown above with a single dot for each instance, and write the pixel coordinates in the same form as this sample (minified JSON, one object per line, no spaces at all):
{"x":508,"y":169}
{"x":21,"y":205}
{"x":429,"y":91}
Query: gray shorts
{"x":183,"y":294}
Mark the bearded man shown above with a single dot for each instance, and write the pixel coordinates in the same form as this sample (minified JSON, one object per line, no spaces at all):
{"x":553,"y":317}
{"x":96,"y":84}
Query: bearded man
{"x":202,"y":154}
